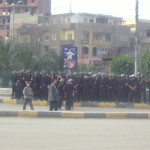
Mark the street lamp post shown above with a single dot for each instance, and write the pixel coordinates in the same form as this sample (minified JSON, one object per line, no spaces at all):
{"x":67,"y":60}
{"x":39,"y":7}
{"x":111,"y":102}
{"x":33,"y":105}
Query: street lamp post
{"x":13,"y":18}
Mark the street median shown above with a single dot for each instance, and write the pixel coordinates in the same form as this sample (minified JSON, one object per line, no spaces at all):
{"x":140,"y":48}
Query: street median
{"x":74,"y":115}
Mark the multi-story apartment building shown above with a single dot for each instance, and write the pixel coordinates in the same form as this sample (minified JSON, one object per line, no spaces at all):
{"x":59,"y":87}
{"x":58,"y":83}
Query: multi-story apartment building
{"x":95,"y":36}
{"x":9,"y":8}
{"x":143,"y":32}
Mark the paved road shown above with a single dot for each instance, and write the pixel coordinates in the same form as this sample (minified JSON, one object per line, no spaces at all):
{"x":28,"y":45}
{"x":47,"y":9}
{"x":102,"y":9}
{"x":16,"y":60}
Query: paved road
{"x":72,"y":134}
{"x":83,"y":109}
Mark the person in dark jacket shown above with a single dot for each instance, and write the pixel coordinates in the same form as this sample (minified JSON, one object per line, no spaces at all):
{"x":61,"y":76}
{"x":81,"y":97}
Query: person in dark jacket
{"x":28,"y":94}
{"x":61,"y":89}
{"x":53,"y":97}
{"x":69,"y":93}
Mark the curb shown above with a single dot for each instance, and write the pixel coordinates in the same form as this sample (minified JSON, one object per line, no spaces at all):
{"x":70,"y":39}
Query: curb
{"x":74,"y":115}
{"x":84,"y":104}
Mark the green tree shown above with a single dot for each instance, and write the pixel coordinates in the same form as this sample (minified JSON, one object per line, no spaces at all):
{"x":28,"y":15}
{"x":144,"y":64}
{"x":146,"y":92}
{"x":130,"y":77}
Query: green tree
{"x":5,"y":55}
{"x":122,"y":65}
{"x":51,"y":61}
{"x":26,"y":55}
{"x":87,"y":67}
{"x":145,"y":63}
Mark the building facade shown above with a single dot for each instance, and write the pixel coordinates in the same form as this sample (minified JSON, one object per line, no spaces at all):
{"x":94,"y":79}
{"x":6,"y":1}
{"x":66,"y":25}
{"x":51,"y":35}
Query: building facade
{"x":143,"y":32}
{"x":95,"y":36}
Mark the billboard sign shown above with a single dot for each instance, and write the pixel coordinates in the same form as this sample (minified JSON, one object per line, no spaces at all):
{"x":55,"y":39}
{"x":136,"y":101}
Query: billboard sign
{"x":70,"y":57}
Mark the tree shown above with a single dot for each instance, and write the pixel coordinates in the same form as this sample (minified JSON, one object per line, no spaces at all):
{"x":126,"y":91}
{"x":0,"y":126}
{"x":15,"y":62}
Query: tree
{"x":145,"y":63}
{"x":26,"y":55}
{"x":51,"y":61}
{"x":5,"y":55}
{"x":122,"y":65}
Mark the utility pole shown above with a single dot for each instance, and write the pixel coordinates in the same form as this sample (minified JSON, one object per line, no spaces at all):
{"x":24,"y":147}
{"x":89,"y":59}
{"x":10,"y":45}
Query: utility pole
{"x":70,"y":7}
{"x":13,"y":19}
{"x":136,"y":36}
{"x":13,"y":5}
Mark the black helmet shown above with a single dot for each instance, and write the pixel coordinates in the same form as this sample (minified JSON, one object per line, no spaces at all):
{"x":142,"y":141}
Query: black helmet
{"x":52,"y":72}
{"x":35,"y":72}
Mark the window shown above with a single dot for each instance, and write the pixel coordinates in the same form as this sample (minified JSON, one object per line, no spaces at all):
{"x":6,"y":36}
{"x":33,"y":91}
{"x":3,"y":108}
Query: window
{"x":85,"y":52}
{"x":46,"y":20}
{"x":53,"y":37}
{"x":9,"y":20}
{"x":4,"y":12}
{"x":9,"y":11}
{"x":102,"y":20}
{"x":1,"y":27}
{"x":46,"y":48}
{"x":32,"y":12}
{"x":99,"y":36}
{"x":85,"y":35}
{"x":94,"y":51}
{"x":69,"y":36}
{"x":46,"y":37}
{"x":3,"y":20}
{"x":7,"y":27}
{"x":107,"y":37}
{"x":148,"y":33}
{"x":91,"y":20}
{"x":68,"y":20}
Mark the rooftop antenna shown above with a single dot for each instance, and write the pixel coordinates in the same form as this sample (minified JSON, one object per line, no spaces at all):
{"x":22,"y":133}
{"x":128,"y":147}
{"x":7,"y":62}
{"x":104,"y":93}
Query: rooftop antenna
{"x":70,"y":7}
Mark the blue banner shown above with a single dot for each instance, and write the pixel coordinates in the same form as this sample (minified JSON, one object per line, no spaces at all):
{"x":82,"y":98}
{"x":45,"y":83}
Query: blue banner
{"x":70,"y":57}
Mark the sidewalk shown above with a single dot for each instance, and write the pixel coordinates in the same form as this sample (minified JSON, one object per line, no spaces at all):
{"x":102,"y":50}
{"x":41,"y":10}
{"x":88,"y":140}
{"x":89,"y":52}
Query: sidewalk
{"x":82,"y":110}
{"x":7,"y":100}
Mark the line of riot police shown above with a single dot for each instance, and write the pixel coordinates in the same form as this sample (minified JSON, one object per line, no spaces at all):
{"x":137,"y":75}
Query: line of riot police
{"x":98,"y":87}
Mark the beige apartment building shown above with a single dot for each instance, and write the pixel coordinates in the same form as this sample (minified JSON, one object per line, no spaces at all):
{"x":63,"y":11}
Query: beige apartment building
{"x":143,"y":32}
{"x":96,"y":36}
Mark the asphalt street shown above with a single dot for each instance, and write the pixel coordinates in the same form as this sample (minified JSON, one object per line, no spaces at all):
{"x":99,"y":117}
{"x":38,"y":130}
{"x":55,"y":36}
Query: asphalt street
{"x":72,"y":134}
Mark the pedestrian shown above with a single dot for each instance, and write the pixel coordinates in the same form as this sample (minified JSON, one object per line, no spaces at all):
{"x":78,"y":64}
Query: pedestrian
{"x":53,"y":97}
{"x":61,"y":88}
{"x":28,"y":94}
{"x":69,"y":94}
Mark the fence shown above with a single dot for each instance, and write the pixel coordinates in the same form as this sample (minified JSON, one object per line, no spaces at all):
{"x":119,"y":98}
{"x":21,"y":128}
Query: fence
{"x":5,"y":78}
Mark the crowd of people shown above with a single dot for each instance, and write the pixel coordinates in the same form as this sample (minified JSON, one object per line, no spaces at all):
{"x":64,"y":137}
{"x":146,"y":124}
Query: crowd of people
{"x":83,"y":86}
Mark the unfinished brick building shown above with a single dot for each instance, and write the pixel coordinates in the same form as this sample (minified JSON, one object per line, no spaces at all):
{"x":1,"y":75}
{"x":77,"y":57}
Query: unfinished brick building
{"x":10,"y":7}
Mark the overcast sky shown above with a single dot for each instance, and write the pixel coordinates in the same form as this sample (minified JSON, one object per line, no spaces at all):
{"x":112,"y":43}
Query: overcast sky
{"x":118,"y":8}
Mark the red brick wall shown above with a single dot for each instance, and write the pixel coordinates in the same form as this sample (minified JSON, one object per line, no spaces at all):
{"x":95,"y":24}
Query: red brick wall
{"x":45,"y":6}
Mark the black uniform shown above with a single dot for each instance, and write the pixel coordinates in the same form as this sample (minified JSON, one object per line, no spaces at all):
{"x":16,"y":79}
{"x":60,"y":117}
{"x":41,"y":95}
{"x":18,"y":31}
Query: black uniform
{"x":61,"y":93}
{"x":69,"y":91}
{"x":36,"y":86}
{"x":43,"y":87}
{"x":14,"y":81}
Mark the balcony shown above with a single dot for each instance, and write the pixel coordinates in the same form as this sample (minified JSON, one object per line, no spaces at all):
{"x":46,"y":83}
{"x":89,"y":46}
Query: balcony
{"x":7,"y":6}
{"x":84,"y":41}
{"x":67,"y":42}
{"x":67,"y":26}
{"x":145,"y":40}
